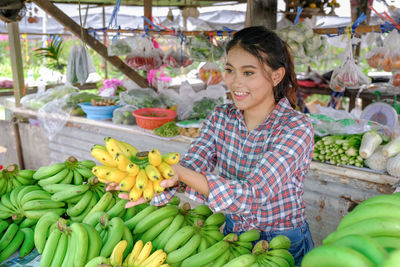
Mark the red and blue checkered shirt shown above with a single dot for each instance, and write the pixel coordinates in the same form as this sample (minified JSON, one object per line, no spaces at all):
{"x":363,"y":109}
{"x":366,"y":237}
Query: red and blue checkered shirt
{"x":260,"y":173}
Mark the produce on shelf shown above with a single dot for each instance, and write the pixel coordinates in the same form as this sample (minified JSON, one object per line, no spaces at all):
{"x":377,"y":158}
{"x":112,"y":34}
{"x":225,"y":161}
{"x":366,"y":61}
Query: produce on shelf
{"x":386,"y":57}
{"x":369,"y":143}
{"x":124,"y":115}
{"x":103,"y":102}
{"x":11,"y":177}
{"x":366,"y":236}
{"x":13,"y":237}
{"x":168,"y":129}
{"x":203,"y":107}
{"x":339,"y":150}
{"x":377,"y":161}
{"x":139,"y":174}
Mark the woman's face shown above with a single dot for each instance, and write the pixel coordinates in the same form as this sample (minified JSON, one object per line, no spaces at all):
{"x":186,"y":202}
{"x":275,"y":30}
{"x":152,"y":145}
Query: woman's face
{"x":248,"y":80}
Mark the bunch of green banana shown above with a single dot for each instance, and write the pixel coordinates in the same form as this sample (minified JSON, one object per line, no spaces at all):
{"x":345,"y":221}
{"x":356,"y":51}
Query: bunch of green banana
{"x":276,"y":253}
{"x":138,"y":173}
{"x":71,"y":171}
{"x":26,"y":204}
{"x":12,"y":238}
{"x":11,"y":177}
{"x":192,"y":216}
{"x":73,"y":245}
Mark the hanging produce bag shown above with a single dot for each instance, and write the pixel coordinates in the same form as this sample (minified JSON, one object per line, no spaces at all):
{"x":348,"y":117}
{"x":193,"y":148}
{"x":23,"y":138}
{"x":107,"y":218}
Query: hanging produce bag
{"x":80,"y":65}
{"x":177,"y":55}
{"x":119,"y":46}
{"x":386,"y":57}
{"x":210,"y":73}
{"x":349,"y":73}
{"x":144,"y":56}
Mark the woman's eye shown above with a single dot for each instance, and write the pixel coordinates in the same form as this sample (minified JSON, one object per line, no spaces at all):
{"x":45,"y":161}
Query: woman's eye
{"x":228,"y":70}
{"x":247,"y":73}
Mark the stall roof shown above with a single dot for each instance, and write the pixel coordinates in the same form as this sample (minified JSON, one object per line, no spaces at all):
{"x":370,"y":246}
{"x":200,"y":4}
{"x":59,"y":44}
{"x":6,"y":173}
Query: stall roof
{"x":178,"y":3}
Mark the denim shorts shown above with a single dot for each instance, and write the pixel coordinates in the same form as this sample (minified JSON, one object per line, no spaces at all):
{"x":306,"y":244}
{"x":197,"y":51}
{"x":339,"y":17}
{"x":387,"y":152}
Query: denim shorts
{"x":300,"y":238}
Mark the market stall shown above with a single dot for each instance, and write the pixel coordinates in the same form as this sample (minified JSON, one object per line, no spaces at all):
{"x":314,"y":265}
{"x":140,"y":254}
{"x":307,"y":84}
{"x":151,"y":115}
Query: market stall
{"x":70,"y":144}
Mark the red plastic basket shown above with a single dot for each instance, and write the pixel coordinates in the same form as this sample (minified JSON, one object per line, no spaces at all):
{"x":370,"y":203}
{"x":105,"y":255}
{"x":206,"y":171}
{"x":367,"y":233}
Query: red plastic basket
{"x":151,"y":118}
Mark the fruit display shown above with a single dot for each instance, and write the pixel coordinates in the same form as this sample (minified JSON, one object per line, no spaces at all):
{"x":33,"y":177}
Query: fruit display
{"x":11,"y":177}
{"x":103,"y":102}
{"x":366,"y":236}
{"x":210,"y":74}
{"x":14,"y":237}
{"x":138,"y":173}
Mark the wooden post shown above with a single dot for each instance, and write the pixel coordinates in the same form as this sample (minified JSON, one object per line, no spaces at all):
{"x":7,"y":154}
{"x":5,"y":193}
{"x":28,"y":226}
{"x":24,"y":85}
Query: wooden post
{"x":357,"y":8}
{"x":82,"y":34}
{"x":261,"y":12}
{"x":105,"y":41}
{"x":16,"y":60}
{"x":147,"y":11}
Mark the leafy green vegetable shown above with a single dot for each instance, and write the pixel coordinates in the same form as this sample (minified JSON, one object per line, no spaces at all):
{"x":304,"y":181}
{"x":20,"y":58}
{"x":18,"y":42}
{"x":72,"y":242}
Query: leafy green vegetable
{"x":168,"y":129}
{"x":203,"y":107}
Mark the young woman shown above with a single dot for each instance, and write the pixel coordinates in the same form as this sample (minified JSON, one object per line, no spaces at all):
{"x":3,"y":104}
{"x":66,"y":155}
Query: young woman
{"x":260,"y":146}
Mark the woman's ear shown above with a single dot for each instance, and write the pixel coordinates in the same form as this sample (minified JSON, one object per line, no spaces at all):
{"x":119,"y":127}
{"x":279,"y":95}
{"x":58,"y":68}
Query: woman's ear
{"x":277,"y":75}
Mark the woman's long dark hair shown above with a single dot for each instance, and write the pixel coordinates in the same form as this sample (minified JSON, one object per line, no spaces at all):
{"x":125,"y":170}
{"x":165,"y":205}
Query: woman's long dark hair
{"x":273,"y":51}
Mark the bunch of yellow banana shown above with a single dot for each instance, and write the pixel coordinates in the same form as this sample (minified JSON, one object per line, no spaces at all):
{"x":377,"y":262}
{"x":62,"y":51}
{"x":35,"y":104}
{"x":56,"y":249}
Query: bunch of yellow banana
{"x":138,"y":173}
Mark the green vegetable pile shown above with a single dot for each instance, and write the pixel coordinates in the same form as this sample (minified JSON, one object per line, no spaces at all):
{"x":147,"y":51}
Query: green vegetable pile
{"x":168,"y":129}
{"x":203,"y":107}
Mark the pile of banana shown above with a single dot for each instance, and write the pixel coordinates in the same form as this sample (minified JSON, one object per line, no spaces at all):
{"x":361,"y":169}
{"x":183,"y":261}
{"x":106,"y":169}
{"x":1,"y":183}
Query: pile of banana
{"x":71,"y":171}
{"x":13,"y":237}
{"x":26,"y":204}
{"x":139,"y":256}
{"x":11,"y":177}
{"x":366,"y":236}
{"x":138,"y":173}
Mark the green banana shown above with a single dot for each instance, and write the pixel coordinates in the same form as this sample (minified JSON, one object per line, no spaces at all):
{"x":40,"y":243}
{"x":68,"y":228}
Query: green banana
{"x":245,"y":260}
{"x":282,"y":262}
{"x":155,"y":217}
{"x":117,"y":208}
{"x":37,"y":194}
{"x":179,"y":238}
{"x":202,"y":210}
{"x":203,"y":245}
{"x":41,"y":204}
{"x":127,"y":235}
{"x":12,"y":246}
{"x":5,"y":200}
{"x":94,"y":243}
{"x":370,"y":211}
{"x":25,"y":190}
{"x":380,"y":199}
{"x":8,"y":236}
{"x":36,"y":214}
{"x":102,"y":203}
{"x":50,"y":248}
{"x":24,"y":181}
{"x":28,"y":243}
{"x":77,"y":177}
{"x":3,"y":226}
{"x":388,"y":242}
{"x":185,"y":250}
{"x":243,"y":244}
{"x":372,"y":227}
{"x":393,"y":260}
{"x":79,"y":207}
{"x":366,"y":245}
{"x":332,"y":256}
{"x":283,"y":253}
{"x":280,"y":241}
{"x":89,"y":164}
{"x":27,"y":174}
{"x":130,"y":212}
{"x":69,"y":256}
{"x":260,"y":247}
{"x":14,"y":197}
{"x":131,"y":223}
{"x":60,"y":250}
{"x":85,"y":172}
{"x":42,"y":228}
{"x":98,"y":261}
{"x":220,"y":261}
{"x":165,"y":235}
{"x":116,"y":230}
{"x":156,"y":229}
{"x":216,"y":235}
{"x":86,"y":211}
{"x":47,"y":171}
{"x":242,"y":250}
{"x":70,"y":192}
{"x":56,"y":178}
{"x":68,"y":178}
{"x":206,"y":256}
{"x":93,"y":218}
{"x":80,"y":240}
{"x":215,"y":219}
{"x":55,"y":188}
{"x":110,"y":205}
{"x":249,"y":236}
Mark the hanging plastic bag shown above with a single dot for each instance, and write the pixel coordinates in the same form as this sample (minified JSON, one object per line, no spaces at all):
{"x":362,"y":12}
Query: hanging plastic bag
{"x":141,"y":98}
{"x":145,"y":56}
{"x":124,"y":115}
{"x":119,"y":46}
{"x":79,"y":66}
{"x":395,"y":80}
{"x":177,"y":55}
{"x":210,"y":73}
{"x":348,"y":74}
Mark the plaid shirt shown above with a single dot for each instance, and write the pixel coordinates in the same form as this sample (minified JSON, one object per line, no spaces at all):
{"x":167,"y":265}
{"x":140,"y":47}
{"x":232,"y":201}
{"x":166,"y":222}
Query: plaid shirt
{"x":260,"y":173}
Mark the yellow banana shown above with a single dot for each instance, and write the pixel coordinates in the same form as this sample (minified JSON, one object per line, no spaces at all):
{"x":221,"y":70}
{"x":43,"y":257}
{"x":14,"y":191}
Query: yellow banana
{"x":141,"y":180}
{"x":135,"y":194}
{"x":137,"y":248}
{"x":117,"y":254}
{"x":157,"y":261}
{"x":122,"y":161}
{"x":157,"y":188}
{"x":127,"y":183}
{"x":128,"y":150}
{"x":154,"y":257}
{"x":164,"y":265}
{"x":112,"y":146}
{"x":116,"y":175}
{"x":155,"y":157}
{"x":166,"y":171}
{"x":101,"y":171}
{"x":103,"y":157}
{"x":125,"y":263}
{"x":148,"y":191}
{"x":132,"y":169}
{"x":152,"y":173}
{"x":171,"y":158}
{"x":144,"y":253}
